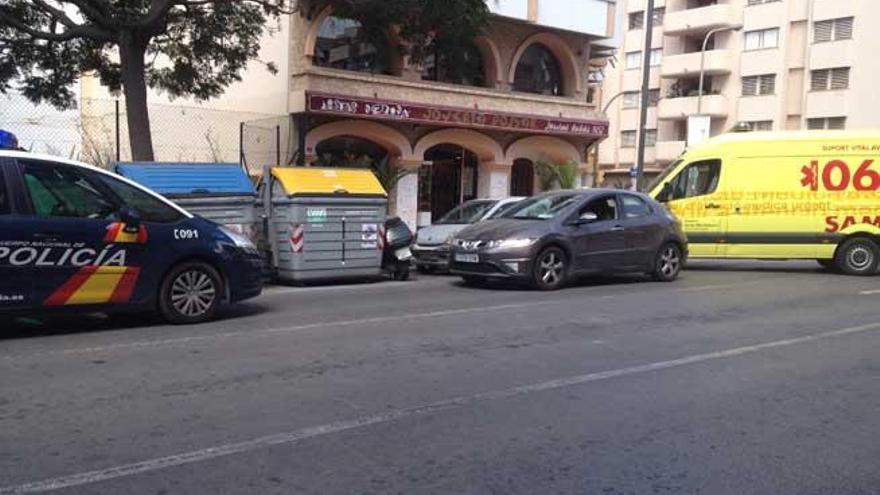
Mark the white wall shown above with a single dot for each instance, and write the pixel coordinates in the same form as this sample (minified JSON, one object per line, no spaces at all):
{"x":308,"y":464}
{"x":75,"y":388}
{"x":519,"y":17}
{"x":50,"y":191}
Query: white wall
{"x":582,"y":16}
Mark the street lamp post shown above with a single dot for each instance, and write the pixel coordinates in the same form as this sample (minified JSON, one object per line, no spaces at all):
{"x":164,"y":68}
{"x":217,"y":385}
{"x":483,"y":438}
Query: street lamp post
{"x":646,"y":80}
{"x":703,"y":62}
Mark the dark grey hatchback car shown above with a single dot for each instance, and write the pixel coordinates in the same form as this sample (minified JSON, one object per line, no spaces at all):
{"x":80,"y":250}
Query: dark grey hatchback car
{"x":550,"y":238}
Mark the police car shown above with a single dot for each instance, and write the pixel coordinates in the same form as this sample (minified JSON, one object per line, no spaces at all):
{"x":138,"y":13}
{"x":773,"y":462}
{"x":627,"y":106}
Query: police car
{"x":75,"y":236}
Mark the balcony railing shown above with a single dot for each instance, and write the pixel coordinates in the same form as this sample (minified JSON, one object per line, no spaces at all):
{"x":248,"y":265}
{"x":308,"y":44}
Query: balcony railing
{"x":717,"y":62}
{"x":680,"y":108}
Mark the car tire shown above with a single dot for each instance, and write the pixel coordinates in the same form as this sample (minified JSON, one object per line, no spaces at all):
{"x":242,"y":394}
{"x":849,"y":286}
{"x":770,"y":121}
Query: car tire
{"x":550,"y":269}
{"x":858,"y":256}
{"x":667,"y":263}
{"x":190,"y":294}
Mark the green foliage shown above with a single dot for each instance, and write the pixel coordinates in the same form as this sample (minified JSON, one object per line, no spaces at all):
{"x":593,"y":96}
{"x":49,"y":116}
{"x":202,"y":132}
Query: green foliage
{"x":388,"y":174}
{"x":557,"y":175}
{"x":423,"y":26}
{"x":187,"y":47}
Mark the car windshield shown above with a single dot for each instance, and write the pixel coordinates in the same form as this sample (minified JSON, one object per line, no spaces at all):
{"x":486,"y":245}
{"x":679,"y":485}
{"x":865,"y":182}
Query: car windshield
{"x":664,"y":175}
{"x":542,"y":207}
{"x":469,"y":212}
{"x":503,"y":210}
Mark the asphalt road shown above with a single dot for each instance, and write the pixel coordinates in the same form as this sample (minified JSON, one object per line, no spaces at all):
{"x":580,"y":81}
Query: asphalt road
{"x":741,"y":378}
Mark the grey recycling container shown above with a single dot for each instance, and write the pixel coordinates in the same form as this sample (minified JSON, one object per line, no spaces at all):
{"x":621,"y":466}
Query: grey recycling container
{"x":220,"y":192}
{"x":326,"y":224}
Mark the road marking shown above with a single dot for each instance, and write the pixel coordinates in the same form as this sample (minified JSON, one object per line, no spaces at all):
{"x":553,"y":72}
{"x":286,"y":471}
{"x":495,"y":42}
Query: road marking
{"x":349,"y":323}
{"x":869,"y":292}
{"x":295,"y":436}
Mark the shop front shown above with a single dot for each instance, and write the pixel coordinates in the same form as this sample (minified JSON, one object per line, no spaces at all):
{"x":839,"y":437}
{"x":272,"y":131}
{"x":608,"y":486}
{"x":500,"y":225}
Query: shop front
{"x":450,"y":154}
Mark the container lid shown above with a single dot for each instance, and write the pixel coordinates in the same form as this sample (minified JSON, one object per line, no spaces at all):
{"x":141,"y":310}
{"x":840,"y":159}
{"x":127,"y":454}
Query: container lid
{"x":311,"y":181}
{"x":189,"y":179}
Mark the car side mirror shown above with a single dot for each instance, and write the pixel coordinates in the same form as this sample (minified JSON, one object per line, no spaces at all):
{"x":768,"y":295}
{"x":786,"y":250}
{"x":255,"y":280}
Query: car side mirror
{"x":588,"y":217}
{"x":131,"y":219}
{"x":665,"y":193}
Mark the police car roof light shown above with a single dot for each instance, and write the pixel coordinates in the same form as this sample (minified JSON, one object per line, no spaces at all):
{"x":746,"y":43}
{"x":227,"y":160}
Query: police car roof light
{"x":8,"y":141}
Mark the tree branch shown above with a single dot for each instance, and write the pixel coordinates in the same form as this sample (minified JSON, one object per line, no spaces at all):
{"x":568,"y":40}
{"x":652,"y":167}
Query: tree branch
{"x":72,"y":33}
{"x":94,"y":12}
{"x":55,"y":13}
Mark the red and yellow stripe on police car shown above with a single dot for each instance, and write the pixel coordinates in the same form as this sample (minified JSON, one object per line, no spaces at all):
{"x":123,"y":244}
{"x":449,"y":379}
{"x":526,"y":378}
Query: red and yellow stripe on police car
{"x":96,"y":285}
{"x":116,"y":234}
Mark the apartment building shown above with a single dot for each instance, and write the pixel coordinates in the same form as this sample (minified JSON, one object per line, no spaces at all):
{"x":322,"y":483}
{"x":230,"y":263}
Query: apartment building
{"x":768,"y":64}
{"x":528,"y":98}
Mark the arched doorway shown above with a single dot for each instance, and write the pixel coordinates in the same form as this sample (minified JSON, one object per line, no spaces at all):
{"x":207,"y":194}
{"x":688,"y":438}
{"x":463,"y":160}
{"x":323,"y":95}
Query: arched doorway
{"x":348,"y":151}
{"x":450,"y":180}
{"x":522,"y":178}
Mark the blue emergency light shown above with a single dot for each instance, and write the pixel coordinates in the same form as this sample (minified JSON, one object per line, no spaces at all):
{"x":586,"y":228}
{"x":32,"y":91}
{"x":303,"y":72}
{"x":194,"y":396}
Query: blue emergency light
{"x":8,"y":141}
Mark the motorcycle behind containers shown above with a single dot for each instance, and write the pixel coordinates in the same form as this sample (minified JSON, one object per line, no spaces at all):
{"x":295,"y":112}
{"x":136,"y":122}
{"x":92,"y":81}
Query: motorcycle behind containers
{"x":396,"y":255}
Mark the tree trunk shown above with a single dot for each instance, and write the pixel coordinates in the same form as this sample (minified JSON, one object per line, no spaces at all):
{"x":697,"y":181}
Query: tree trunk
{"x":134,"y":87}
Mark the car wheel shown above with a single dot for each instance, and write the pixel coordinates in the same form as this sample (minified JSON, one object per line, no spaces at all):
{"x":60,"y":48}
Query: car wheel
{"x":190,"y":294}
{"x":667,"y":265}
{"x":858,"y":256}
{"x":550,"y":269}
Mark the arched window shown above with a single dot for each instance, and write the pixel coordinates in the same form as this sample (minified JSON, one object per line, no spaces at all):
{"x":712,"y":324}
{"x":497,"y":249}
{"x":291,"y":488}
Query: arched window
{"x":343,"y":44}
{"x":348,"y":152}
{"x":538,"y":71}
{"x":463,"y":66}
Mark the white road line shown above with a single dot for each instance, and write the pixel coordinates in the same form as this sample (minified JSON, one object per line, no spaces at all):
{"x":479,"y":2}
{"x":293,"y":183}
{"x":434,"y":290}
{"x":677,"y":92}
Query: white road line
{"x":869,"y":292}
{"x":348,"y":323}
{"x":294,"y":436}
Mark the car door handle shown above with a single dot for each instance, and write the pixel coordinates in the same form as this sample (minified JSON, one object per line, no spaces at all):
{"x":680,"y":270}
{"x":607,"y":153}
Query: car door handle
{"x":713,"y":206}
{"x":617,"y":228}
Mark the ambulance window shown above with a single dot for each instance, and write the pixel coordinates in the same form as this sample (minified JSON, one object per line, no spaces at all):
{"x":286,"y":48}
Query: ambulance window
{"x":64,"y":191}
{"x":150,"y":208}
{"x":698,"y":179}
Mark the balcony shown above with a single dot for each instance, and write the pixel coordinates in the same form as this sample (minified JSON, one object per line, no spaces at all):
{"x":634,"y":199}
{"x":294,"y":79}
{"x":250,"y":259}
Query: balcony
{"x":718,"y":62}
{"x":681,"y":108}
{"x":668,"y":151}
{"x":701,"y":20}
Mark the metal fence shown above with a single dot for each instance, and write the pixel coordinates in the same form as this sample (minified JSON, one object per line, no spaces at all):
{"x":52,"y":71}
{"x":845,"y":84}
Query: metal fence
{"x":96,"y":132}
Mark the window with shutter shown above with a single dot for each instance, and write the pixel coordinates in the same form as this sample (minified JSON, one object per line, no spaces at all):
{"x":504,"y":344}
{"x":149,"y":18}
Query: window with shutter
{"x":631,"y":99}
{"x":636,"y":20}
{"x":653,"y":97}
{"x":750,"y":86}
{"x":767,"y":84}
{"x":628,"y":139}
{"x":822,"y":31}
{"x":815,"y":124}
{"x":819,"y":80}
{"x":651,"y":137}
{"x":840,"y":78}
{"x":843,"y":28}
{"x":837,"y":123}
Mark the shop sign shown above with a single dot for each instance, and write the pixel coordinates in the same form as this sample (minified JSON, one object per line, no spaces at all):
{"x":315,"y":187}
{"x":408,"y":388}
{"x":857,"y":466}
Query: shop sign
{"x":460,"y":117}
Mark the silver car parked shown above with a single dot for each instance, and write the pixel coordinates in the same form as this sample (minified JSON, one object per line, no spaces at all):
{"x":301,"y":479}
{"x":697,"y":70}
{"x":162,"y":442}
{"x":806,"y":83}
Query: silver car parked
{"x":432,"y":248}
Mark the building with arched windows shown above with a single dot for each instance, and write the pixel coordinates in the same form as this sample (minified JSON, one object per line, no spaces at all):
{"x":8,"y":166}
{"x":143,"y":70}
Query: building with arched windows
{"x":517,"y":95}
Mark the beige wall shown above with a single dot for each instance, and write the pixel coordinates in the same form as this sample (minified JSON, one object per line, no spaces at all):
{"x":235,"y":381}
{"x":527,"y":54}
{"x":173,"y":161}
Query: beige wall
{"x":791,"y":61}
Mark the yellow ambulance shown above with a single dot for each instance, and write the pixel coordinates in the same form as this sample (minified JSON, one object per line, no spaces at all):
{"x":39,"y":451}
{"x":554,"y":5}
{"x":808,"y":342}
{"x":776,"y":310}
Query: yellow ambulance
{"x":781,"y":195}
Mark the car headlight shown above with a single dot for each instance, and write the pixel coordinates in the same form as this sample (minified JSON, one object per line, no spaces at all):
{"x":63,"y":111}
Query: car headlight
{"x":510,"y":243}
{"x":239,"y":240}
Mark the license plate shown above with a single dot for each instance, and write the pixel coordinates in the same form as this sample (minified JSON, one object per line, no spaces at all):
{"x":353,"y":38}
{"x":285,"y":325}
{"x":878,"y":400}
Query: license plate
{"x":467,"y":258}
